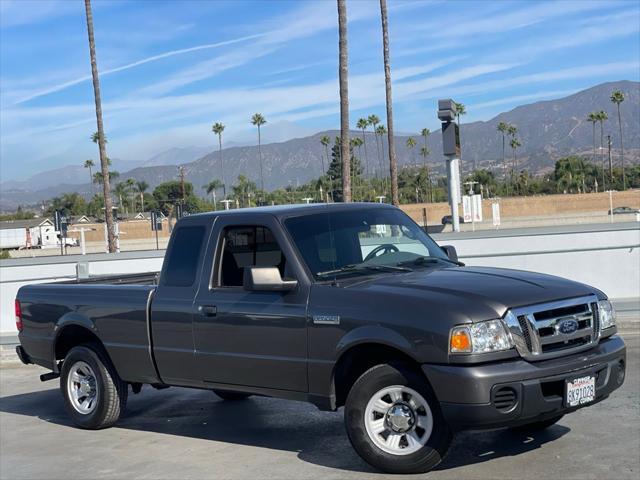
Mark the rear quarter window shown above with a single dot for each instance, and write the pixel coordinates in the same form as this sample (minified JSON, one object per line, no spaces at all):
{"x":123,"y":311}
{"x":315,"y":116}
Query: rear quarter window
{"x":182,"y":264}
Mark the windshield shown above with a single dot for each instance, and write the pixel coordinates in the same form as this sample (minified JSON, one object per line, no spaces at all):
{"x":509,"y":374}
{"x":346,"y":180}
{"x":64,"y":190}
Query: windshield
{"x":367,"y":241}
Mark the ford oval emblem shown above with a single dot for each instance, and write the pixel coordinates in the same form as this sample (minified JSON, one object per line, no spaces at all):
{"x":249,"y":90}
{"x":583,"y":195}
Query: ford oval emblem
{"x":568,"y":325}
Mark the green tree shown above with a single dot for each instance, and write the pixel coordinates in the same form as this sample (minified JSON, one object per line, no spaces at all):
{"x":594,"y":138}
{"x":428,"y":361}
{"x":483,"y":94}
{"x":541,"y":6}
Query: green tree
{"x":257,"y":120}
{"x":168,"y":194}
{"x":217,"y":128}
{"x":89,"y":164}
{"x":324,"y":141}
{"x":100,"y":139}
{"x":411,"y":144}
{"x":336,"y":169}
{"x":211,"y":189}
{"x":617,"y":97}
{"x":374,"y":121}
{"x":503,"y":128}
{"x":69,"y":203}
{"x":460,"y":111}
{"x":243,"y":190}
{"x":515,"y":144}
{"x":362,"y":124}
{"x":141,"y":188}
{"x":602,"y":117}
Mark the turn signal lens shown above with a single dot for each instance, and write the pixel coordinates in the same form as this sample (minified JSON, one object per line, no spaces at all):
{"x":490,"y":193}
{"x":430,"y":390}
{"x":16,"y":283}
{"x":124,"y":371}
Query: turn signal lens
{"x":460,"y":340}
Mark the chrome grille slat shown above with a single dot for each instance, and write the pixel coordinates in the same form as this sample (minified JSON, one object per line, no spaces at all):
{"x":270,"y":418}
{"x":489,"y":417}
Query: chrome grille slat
{"x":543,"y":339}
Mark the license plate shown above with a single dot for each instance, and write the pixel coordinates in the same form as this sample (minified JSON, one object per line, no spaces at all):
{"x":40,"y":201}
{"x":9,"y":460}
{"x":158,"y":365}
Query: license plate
{"x":580,"y":390}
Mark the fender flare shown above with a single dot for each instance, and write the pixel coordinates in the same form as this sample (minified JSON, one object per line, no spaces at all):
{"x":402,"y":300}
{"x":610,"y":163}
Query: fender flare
{"x":68,"y":320}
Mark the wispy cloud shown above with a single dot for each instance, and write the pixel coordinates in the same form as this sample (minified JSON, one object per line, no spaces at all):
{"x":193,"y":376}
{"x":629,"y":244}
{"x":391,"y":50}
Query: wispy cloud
{"x":153,"y":58}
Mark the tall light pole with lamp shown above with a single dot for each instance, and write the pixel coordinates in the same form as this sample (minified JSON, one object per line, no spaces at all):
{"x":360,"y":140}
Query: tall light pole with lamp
{"x":451,"y":149}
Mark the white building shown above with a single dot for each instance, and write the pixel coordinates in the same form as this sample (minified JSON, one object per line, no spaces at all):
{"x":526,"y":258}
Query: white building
{"x":33,"y":233}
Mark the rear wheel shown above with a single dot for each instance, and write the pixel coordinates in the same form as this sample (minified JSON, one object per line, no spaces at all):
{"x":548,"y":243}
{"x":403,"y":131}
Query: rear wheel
{"x":94,"y":394}
{"x":231,"y":396}
{"x":537,"y":426}
{"x":394,"y":422}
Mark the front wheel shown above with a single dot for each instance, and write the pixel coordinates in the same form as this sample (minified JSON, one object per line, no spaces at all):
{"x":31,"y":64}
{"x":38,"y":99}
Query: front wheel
{"x":393,"y":420}
{"x":94,"y":394}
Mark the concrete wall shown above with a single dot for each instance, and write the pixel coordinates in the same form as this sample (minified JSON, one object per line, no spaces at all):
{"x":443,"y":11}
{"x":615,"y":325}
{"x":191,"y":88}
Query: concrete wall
{"x":543,"y":205}
{"x":607,"y":257}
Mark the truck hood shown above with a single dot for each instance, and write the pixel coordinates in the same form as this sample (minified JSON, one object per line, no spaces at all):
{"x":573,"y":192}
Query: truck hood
{"x":476,"y":293}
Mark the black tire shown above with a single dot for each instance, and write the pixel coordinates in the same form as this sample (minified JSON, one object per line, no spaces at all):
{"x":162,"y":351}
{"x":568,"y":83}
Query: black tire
{"x":537,"y":426}
{"x":231,"y":396}
{"x":371,"y":382}
{"x":111,"y":390}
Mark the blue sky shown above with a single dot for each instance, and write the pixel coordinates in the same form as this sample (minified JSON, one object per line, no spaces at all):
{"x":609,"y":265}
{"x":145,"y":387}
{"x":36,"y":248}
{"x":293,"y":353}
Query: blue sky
{"x":171,"y":69}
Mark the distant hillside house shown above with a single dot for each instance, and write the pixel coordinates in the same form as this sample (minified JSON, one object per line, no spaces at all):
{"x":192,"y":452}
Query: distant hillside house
{"x":18,"y":234}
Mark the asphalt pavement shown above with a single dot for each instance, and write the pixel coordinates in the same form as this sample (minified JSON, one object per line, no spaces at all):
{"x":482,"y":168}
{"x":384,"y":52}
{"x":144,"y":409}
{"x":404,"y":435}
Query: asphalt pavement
{"x":182,"y":433}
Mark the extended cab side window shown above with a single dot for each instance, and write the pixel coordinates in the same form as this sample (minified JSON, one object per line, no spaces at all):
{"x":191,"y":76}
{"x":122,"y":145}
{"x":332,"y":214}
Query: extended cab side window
{"x":182,"y":263}
{"x":248,"y":246}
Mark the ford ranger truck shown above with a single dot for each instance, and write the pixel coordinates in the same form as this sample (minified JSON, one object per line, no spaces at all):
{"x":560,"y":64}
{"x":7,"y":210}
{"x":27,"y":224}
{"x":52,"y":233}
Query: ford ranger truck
{"x":340,"y":305}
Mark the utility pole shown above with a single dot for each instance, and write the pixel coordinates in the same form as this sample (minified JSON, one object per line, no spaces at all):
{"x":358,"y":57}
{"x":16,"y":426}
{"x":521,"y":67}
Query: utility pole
{"x":451,"y":149}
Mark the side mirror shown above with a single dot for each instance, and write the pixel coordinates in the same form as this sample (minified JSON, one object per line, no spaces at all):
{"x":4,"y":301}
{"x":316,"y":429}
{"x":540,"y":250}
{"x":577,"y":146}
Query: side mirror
{"x":266,"y":279}
{"x":450,"y":250}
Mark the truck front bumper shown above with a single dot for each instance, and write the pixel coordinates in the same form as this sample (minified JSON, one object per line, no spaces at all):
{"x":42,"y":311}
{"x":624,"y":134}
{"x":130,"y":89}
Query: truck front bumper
{"x":517,"y":392}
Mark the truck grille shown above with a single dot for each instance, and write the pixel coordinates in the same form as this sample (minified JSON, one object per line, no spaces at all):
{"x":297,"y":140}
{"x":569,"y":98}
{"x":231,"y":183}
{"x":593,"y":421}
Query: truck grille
{"x":554,"y":329}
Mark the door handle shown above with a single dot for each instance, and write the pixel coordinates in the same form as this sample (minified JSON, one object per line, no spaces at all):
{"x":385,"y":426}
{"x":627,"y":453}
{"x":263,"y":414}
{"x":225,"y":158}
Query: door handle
{"x":208,"y":310}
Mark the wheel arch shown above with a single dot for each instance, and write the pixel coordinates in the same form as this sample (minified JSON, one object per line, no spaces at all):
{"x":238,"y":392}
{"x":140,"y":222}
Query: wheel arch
{"x":71,"y":331}
{"x":364,"y":348}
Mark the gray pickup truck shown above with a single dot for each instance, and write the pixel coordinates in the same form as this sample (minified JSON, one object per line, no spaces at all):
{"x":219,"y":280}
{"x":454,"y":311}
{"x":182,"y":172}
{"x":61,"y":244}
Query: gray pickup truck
{"x":348,"y":305}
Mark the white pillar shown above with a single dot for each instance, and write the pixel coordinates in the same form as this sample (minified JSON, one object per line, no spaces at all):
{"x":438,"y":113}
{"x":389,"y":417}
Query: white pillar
{"x":82,"y":244}
{"x":454,"y":191}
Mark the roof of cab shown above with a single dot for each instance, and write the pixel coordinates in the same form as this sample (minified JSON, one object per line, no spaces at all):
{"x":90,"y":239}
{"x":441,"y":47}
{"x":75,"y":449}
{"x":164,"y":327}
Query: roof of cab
{"x":287,"y":210}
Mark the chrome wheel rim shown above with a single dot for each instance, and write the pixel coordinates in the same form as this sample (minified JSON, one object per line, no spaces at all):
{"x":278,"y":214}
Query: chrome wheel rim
{"x":398,"y":420}
{"x":81,"y":388}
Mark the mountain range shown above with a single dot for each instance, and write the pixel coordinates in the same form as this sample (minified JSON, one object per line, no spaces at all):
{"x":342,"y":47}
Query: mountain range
{"x":547,"y":131}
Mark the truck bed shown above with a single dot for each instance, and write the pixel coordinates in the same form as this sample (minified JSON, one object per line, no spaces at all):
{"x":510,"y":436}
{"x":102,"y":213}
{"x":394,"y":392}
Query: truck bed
{"x":114,"y":308}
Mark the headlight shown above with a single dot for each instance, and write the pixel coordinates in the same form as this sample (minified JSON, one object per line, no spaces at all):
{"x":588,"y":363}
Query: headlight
{"x":482,"y":337}
{"x":607,"y":314}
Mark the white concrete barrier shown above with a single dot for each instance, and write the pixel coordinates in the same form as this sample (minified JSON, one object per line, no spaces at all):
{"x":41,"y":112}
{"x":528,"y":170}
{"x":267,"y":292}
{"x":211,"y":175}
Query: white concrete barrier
{"x":607,"y":257}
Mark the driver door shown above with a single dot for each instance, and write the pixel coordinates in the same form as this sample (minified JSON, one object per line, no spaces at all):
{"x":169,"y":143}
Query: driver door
{"x":251,"y":338}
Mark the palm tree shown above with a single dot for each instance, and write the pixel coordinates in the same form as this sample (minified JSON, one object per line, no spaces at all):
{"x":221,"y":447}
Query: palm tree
{"x":424,"y":151}
{"x":374,"y":121}
{"x":89,"y":164}
{"x":217,"y":128}
{"x":461,"y":110}
{"x":617,"y":97}
{"x":101,"y":139}
{"x":381,"y":131}
{"x":503,"y":127}
{"x":141,"y":187}
{"x":593,"y":118}
{"x":602,"y":116}
{"x":515,"y":143}
{"x":324,"y":141}
{"x":131,"y":183}
{"x":356,"y":142}
{"x":343,"y":73}
{"x":257,"y":120}
{"x":95,"y":136}
{"x":393,"y":161}
{"x":121,"y":190}
{"x":362,"y":124}
{"x":411,"y":143}
{"x":211,"y":188}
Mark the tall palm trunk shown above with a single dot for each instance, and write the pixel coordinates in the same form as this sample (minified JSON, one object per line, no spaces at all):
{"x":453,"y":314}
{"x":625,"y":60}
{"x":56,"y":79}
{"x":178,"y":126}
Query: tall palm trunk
{"x":504,"y":162}
{"x":260,"y":157}
{"x":624,"y":179}
{"x":375,"y":136}
{"x":344,"y":101}
{"x":604,"y":180}
{"x":104,"y":166}
{"x":393,"y":161}
{"x":224,"y":185}
{"x":366,"y":157}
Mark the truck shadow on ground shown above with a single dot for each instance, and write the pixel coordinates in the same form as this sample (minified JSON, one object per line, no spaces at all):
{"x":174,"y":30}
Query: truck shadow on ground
{"x":317,"y":437}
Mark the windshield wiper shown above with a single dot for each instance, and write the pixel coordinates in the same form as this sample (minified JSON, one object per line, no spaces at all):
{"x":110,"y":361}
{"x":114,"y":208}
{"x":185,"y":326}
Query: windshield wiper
{"x":359,"y":267}
{"x":426,"y":260}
